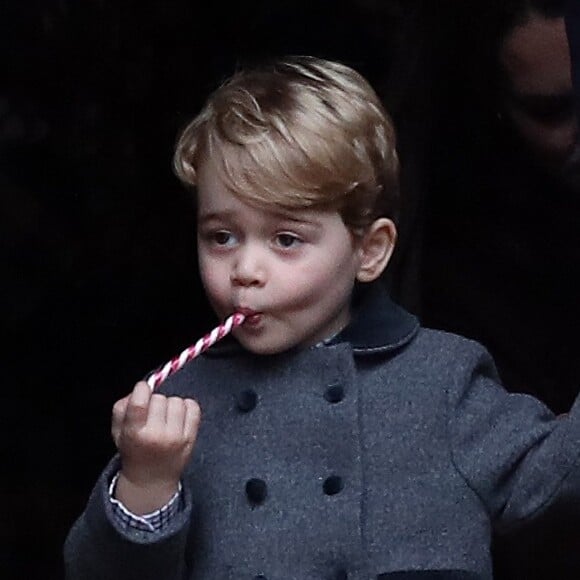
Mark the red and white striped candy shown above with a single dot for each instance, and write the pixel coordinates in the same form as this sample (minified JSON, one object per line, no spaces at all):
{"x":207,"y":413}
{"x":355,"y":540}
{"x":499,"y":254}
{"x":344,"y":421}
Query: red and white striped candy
{"x":191,"y":352}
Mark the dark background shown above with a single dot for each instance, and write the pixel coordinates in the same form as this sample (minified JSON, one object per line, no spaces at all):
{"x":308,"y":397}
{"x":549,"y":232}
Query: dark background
{"x":98,"y":245}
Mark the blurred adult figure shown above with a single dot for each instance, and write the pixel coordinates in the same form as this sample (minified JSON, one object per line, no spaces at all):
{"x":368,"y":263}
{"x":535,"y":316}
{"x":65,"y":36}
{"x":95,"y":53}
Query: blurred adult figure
{"x":536,"y":93}
{"x":501,"y":236}
{"x":501,"y":195}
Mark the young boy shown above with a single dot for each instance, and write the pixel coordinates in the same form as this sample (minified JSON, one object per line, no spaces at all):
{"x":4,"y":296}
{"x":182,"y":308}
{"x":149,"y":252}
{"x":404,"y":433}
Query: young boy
{"x":338,"y":439}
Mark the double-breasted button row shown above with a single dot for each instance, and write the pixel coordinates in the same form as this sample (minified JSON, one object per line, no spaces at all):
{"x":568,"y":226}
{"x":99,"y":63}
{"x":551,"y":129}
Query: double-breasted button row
{"x":247,"y":399}
{"x":257,"y":490}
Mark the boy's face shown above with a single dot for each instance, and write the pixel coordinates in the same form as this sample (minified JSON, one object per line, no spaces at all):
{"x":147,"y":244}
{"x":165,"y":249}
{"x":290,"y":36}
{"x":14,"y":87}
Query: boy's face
{"x":291,"y":273}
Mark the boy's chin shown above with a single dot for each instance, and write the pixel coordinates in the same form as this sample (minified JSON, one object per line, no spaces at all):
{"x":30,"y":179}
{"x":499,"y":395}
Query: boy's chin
{"x":266,"y":349}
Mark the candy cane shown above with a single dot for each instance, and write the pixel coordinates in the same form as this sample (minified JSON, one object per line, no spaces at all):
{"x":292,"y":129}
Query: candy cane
{"x":156,"y":378}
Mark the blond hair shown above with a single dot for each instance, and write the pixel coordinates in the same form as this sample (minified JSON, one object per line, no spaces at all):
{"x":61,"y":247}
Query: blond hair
{"x":299,"y":133}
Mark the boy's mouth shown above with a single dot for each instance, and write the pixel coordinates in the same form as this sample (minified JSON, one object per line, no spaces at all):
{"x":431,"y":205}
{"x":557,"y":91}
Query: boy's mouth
{"x":252,"y":317}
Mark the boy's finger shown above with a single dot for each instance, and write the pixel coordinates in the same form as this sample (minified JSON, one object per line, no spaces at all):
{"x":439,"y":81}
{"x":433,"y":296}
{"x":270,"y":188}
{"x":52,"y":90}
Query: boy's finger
{"x":118,"y":416}
{"x":119,"y":409}
{"x":157,"y":412}
{"x":138,"y":405}
{"x":175,"y":416}
{"x":192,"y":419}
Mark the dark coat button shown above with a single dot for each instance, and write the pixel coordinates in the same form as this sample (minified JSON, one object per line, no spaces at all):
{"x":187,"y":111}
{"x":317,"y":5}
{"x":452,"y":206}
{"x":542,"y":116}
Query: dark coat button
{"x":333,"y":485}
{"x":341,"y":575}
{"x":260,"y":577}
{"x":334,"y":394}
{"x":256,"y":490}
{"x":246,"y":400}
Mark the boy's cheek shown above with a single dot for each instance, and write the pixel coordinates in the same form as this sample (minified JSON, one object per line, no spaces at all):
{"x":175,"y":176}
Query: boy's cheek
{"x":216,"y":288}
{"x":211,"y":273}
{"x":213,"y":289}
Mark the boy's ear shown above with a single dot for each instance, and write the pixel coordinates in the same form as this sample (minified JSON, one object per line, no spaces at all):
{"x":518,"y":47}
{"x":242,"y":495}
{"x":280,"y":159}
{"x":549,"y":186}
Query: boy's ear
{"x":376,"y":248}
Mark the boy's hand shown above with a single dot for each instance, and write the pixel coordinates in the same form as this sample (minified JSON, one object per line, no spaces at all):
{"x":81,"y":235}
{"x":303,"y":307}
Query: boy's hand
{"x":155,"y":436}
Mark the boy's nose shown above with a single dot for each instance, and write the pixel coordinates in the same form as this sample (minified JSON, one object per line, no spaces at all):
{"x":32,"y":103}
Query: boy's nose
{"x":247,"y":270}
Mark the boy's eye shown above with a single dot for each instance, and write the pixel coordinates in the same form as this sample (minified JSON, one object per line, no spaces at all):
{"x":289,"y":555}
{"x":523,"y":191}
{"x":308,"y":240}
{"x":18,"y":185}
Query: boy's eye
{"x":222,"y":238}
{"x":287,"y":240}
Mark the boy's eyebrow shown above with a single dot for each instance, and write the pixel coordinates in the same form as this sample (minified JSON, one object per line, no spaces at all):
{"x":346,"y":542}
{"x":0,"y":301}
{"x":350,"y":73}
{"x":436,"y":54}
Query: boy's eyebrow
{"x":281,"y":215}
{"x":214,"y":215}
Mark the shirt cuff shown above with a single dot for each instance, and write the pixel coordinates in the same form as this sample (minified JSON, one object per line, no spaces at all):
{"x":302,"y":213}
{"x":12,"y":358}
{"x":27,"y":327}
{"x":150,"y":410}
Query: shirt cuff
{"x":153,"y":522}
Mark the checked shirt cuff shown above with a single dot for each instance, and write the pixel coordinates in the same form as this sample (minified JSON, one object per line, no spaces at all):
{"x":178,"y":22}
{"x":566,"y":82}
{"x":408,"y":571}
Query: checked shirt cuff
{"x":153,"y":522}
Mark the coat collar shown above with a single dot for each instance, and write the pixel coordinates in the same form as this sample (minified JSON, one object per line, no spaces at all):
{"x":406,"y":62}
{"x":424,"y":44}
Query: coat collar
{"x":377,"y":325}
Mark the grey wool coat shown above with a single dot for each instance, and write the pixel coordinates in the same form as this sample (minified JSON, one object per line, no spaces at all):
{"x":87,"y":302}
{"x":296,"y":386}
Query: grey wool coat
{"x":388,"y":453}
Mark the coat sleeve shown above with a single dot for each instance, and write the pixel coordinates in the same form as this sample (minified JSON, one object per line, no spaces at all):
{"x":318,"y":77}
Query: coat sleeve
{"x":511,"y":449}
{"x":98,"y":548}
